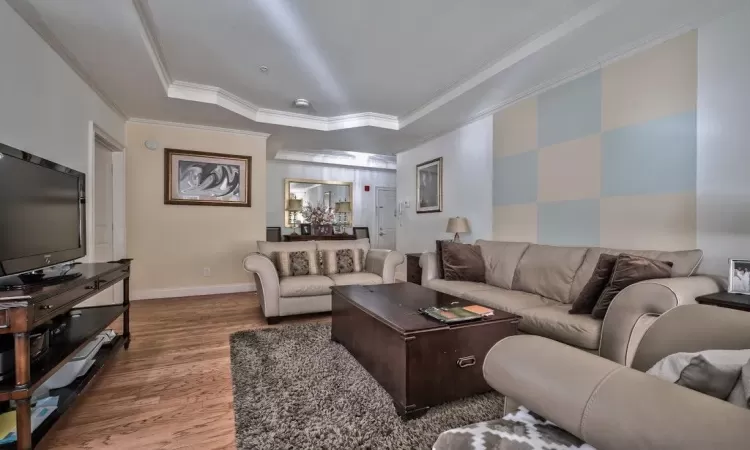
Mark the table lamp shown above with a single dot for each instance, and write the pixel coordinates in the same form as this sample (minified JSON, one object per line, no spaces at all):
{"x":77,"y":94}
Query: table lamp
{"x":343,"y":208}
{"x":294,"y":205}
{"x":457,"y":225}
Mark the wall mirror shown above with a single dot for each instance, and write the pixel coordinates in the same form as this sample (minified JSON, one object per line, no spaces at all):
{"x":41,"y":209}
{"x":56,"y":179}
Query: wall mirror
{"x":333,"y":195}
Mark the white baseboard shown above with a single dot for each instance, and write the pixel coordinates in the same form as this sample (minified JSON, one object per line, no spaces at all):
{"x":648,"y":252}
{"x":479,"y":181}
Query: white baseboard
{"x":148,"y":294}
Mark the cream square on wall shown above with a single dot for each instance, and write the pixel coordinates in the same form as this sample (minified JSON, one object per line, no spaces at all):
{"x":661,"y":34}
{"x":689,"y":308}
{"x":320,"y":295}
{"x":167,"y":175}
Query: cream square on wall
{"x":655,"y":83}
{"x":516,"y":223}
{"x":649,"y":222}
{"x":515,"y":128}
{"x":571,"y":170}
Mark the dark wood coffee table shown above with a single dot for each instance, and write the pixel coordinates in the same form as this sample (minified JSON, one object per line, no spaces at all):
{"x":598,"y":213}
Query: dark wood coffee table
{"x":419,"y":361}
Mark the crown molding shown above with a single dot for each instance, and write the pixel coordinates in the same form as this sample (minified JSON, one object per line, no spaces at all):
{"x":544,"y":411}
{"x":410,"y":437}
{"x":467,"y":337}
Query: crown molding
{"x":146,"y":22}
{"x":31,"y":16}
{"x":163,"y":123}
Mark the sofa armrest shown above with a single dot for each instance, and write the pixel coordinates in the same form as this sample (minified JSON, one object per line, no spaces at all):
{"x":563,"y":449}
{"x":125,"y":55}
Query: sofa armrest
{"x":638,"y":306}
{"x":266,"y":282}
{"x":692,"y":328}
{"x":384,"y":263}
{"x":609,"y":406}
{"x":429,"y":264}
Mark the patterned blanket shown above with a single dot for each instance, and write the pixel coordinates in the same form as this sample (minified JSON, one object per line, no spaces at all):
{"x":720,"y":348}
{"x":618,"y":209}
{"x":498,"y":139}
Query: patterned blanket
{"x":522,"y":430}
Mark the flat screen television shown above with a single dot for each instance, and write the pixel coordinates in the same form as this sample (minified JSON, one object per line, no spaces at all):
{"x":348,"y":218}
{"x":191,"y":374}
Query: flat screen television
{"x":42,"y":216}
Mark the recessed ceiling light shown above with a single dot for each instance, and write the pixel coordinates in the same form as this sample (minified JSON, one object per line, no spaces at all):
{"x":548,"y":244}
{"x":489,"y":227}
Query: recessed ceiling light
{"x":264,"y":69}
{"x":302,"y":103}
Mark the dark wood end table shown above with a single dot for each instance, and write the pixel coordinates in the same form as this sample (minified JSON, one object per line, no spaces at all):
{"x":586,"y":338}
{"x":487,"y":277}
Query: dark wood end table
{"x":726,"y":300}
{"x":419,"y":361}
{"x":413,"y":271}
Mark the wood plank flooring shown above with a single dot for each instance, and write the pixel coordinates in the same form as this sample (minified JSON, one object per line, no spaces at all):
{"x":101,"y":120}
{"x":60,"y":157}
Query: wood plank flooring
{"x":173,"y":388}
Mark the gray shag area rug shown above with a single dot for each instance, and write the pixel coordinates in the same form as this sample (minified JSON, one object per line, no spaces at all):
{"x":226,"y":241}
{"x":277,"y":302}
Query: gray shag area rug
{"x":295,"y":389}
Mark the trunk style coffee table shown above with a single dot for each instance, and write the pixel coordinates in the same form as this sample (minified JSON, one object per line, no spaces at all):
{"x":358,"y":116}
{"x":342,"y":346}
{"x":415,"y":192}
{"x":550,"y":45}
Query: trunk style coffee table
{"x":419,"y":361}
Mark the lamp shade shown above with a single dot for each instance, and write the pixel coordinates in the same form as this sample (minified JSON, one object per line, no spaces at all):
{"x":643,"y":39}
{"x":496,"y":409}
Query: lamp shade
{"x":294,"y":204}
{"x":457,"y":225}
{"x":343,"y":207}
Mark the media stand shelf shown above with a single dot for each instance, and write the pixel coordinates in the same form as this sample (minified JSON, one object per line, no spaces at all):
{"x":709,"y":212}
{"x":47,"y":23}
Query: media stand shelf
{"x":39,"y":305}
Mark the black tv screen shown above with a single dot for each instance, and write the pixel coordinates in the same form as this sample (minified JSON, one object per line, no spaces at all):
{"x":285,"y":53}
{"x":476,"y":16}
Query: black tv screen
{"x":43,"y":212}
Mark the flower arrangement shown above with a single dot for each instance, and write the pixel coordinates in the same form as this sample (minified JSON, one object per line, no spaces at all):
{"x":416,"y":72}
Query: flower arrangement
{"x":318,"y":214}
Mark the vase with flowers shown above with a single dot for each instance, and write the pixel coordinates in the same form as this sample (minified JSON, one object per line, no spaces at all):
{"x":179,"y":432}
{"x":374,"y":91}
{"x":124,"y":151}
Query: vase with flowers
{"x":320,"y":217}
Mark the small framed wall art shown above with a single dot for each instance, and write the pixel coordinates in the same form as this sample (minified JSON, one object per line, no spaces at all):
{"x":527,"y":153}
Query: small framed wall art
{"x":430,"y":186}
{"x":206,"y":179}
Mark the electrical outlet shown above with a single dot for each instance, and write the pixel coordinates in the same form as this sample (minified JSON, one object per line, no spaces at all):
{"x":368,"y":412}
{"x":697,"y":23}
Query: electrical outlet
{"x":206,"y":271}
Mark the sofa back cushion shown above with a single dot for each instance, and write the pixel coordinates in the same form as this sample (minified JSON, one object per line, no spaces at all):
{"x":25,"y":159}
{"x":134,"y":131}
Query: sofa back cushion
{"x":269,"y":249}
{"x":548,"y":271}
{"x":684,"y":264}
{"x":363,"y":244}
{"x":501,"y":260}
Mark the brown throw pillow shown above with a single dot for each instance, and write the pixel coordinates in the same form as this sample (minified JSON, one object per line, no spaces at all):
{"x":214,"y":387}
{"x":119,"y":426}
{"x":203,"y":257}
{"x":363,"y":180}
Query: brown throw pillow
{"x":590,"y":293}
{"x":702,"y":376}
{"x":629,"y":269}
{"x":463,"y":262}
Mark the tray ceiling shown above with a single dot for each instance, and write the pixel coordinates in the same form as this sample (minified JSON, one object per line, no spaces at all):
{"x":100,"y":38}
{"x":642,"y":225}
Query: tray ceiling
{"x":382,"y":75}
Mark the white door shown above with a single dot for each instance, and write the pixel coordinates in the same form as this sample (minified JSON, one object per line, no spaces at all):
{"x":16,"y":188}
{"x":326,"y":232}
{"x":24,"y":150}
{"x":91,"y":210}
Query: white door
{"x":104,"y":249}
{"x":386,"y":210}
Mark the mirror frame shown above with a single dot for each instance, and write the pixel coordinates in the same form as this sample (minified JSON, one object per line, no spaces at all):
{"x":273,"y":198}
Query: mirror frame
{"x":288,"y":181}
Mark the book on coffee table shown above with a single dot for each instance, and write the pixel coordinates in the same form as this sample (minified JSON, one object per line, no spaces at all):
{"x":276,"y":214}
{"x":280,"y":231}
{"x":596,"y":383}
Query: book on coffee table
{"x":451,"y":315}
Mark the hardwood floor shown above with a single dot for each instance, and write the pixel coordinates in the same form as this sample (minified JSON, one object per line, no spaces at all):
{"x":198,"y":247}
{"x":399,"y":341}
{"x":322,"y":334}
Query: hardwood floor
{"x":173,"y":388}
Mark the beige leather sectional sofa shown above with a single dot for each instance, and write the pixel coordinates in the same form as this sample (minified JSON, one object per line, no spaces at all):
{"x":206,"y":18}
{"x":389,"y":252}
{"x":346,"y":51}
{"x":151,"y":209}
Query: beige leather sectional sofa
{"x":540,"y":282}
{"x":293,"y":295}
{"x":613,"y":407}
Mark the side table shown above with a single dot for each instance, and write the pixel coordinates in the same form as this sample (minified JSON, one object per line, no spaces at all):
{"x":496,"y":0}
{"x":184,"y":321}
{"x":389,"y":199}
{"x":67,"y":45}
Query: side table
{"x":727,"y":300}
{"x":413,"y":271}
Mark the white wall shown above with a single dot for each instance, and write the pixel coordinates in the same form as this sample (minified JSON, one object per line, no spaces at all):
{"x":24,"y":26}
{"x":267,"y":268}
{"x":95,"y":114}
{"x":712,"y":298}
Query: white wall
{"x":723,"y":184}
{"x":467,"y":187}
{"x":364,"y":202}
{"x":45,"y":108}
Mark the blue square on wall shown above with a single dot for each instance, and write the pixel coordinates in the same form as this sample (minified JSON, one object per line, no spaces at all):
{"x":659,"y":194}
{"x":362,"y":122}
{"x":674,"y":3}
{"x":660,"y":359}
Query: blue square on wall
{"x":514,"y":179}
{"x":655,"y":157}
{"x":572,"y":222}
{"x":570,"y":111}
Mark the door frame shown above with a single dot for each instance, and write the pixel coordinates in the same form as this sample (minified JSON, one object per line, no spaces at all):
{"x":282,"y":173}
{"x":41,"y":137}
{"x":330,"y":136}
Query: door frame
{"x":377,"y":211}
{"x":97,"y":135}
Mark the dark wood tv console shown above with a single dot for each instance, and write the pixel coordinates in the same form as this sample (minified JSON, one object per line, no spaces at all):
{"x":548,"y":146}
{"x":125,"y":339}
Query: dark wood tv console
{"x":23,"y":310}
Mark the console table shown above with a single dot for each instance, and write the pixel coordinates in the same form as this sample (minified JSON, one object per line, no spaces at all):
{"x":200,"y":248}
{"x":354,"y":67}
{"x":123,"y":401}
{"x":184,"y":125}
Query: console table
{"x":23,"y":310}
{"x":314,"y":237}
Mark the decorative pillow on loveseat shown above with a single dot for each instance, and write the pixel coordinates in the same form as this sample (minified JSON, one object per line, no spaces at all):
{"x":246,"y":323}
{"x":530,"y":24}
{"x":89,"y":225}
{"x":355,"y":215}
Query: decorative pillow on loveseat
{"x":629,"y":269}
{"x":462,"y":262}
{"x":347,"y":260}
{"x":297,"y":263}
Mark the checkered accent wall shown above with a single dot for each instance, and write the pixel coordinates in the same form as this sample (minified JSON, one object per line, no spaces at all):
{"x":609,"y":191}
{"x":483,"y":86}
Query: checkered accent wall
{"x":608,"y":159}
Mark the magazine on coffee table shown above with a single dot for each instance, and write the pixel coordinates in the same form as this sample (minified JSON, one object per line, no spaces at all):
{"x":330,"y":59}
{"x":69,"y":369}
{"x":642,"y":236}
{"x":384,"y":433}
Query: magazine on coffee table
{"x":451,"y":315}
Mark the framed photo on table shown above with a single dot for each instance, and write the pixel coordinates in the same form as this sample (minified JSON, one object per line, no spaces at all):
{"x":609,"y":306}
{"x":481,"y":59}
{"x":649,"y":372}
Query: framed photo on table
{"x":430,"y":186}
{"x":206,"y":179}
{"x":739,"y":276}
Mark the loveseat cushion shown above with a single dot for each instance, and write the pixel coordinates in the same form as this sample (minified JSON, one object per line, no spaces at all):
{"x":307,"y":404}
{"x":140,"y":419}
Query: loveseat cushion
{"x":500,"y":261}
{"x":304,"y":286}
{"x":363,"y":244}
{"x":549,"y":271}
{"x":684,"y":264}
{"x":554,"y":322}
{"x":270,"y":248}
{"x":457,"y":288}
{"x":361,"y":278}
{"x":508,"y":301}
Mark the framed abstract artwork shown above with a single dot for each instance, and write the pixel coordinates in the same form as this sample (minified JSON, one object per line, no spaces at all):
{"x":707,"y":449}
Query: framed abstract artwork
{"x":430,"y":186}
{"x":207,"y":179}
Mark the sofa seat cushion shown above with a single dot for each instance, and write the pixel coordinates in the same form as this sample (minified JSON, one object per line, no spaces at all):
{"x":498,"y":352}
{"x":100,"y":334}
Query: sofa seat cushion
{"x":554,"y":322}
{"x":305,"y":285}
{"x":508,"y":301}
{"x":359,"y":278}
{"x":457,"y":288}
